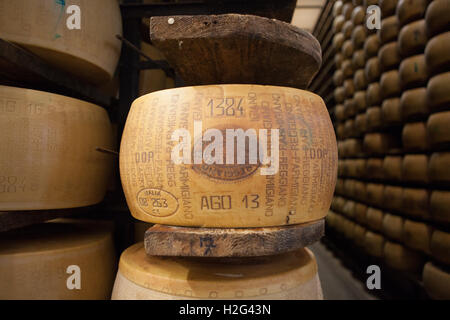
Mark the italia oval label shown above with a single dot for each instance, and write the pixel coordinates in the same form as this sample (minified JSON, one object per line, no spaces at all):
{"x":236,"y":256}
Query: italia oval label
{"x":157,"y":202}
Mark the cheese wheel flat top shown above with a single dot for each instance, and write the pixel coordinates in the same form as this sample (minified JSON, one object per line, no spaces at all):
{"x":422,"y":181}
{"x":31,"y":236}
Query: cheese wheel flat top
{"x":414,"y":137}
{"x":389,"y":29}
{"x":412,"y":38}
{"x":410,"y":10}
{"x":34,"y":260}
{"x":389,"y":56}
{"x":413,"y":72}
{"x":437,"y":53}
{"x":413,"y":104}
{"x":205,"y":191}
{"x":417,"y":235}
{"x":438,"y":129}
{"x":371,"y":46}
{"x":415,"y":168}
{"x":438,"y":92}
{"x":390,"y":84}
{"x":391,"y":111}
{"x":437,"y":17}
{"x":200,"y":278}
{"x":392,"y":197}
{"x":438,"y":169}
{"x":393,"y":226}
{"x":440,"y":246}
{"x":401,"y":258}
{"x":436,"y":281}
{"x":440,"y":206}
{"x":49,"y":151}
{"x":92,"y":52}
{"x":392,"y":168}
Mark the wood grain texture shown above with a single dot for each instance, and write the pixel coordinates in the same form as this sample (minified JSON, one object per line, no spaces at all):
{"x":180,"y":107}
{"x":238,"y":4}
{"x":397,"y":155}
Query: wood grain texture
{"x":163,"y":240}
{"x":232,"y":48}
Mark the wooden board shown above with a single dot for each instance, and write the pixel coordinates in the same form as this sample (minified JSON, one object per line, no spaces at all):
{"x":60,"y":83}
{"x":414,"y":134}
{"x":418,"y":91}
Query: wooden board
{"x":161,"y":240}
{"x":237,"y":49}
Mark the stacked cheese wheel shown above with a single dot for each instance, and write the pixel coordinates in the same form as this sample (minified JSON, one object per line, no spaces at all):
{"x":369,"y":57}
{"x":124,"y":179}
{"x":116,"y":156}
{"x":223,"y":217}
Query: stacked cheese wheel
{"x":50,"y":151}
{"x":80,"y":39}
{"x":61,"y":259}
{"x":398,"y":201}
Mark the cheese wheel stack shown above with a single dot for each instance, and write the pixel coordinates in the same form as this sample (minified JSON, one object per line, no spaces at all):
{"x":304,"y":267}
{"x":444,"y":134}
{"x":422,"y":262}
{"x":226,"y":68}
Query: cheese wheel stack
{"x":291,"y":276}
{"x":61,"y":259}
{"x":89,"y":50}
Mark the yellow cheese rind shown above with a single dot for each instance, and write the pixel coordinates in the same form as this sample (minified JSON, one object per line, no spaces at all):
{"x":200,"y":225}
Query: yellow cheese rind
{"x":285,"y":277}
{"x":48,"y":145}
{"x":92,"y":52}
{"x":34,"y":261}
{"x":250,"y":198}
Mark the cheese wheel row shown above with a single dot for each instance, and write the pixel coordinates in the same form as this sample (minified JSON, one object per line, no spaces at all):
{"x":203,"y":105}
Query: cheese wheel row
{"x":291,"y":276}
{"x":50,"y":151}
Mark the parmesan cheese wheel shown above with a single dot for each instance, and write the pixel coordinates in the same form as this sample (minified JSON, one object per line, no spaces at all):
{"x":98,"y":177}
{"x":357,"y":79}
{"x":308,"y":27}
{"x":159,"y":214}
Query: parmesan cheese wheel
{"x":339,"y":94}
{"x":338,"y":59}
{"x":401,"y":258}
{"x":170,"y":182}
{"x":349,"y":129}
{"x":437,"y":53}
{"x":347,"y":10}
{"x":347,"y":49}
{"x":389,"y":29}
{"x":436,"y":281}
{"x":387,"y":7}
{"x":358,"y":15}
{"x":440,"y":246}
{"x":338,"y":22}
{"x":415,"y":202}
{"x":349,"y":88}
{"x":379,"y":143}
{"x":354,"y":147}
{"x":92,"y":52}
{"x":360,"y":100}
{"x":360,"y":192}
{"x":358,"y":59}
{"x":48,"y":144}
{"x":373,"y":118}
{"x":360,"y":167}
{"x":358,"y":37}
{"x":414,"y":137}
{"x":374,"y":219}
{"x":347,"y":29}
{"x":440,"y":206}
{"x":359,"y":234}
{"x":359,"y":80}
{"x":374,"y":193}
{"x":373,"y":94}
{"x":374,"y":244}
{"x":392,"y":197}
{"x":41,"y":261}
{"x":371,"y":46}
{"x":349,"y":106}
{"x":438,"y":169}
{"x":417,"y":235}
{"x":349,"y":207}
{"x":339,"y":112}
{"x":437,"y":17}
{"x":412,"y":38}
{"x":414,"y":168}
{"x":389,"y":56}
{"x":438,"y":130}
{"x":347,"y":68}
{"x":338,"y":203}
{"x":374,"y":168}
{"x":291,"y":276}
{"x":413,"y":72}
{"x":372,"y":69}
{"x":361,"y":213}
{"x":410,"y":10}
{"x":338,"y":41}
{"x":438,"y":92}
{"x":391,"y":112}
{"x":361,"y":123}
{"x":413,"y":104}
{"x":390,"y":84}
{"x":393,"y":227}
{"x":338,"y":78}
{"x":337,"y":8}
{"x":392,"y":168}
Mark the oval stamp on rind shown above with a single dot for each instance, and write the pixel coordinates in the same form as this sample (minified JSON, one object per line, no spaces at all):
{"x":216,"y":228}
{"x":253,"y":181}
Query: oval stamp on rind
{"x":157,"y":202}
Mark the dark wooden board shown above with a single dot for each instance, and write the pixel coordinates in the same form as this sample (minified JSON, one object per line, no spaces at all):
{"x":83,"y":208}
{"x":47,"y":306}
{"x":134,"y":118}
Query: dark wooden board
{"x":237,"y":49}
{"x":161,"y":240}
